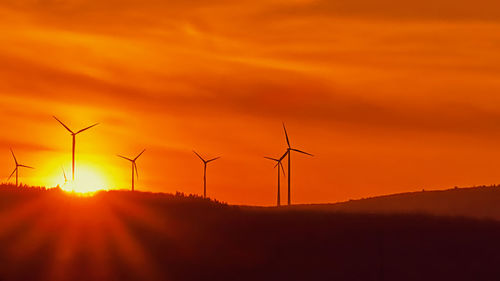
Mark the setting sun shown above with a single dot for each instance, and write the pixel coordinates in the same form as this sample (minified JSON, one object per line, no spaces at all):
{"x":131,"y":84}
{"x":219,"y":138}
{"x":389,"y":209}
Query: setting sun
{"x":249,"y":140}
{"x":88,"y":180}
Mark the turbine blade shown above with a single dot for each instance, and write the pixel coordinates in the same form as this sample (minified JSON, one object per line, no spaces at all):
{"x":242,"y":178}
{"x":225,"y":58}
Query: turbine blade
{"x":12,"y":174}
{"x":199,"y":156}
{"x":283,"y":169}
{"x":139,"y":154}
{"x":86,"y":128}
{"x":136,"y":171}
{"x":270,"y":158}
{"x":64,"y":174}
{"x":125,"y":158}
{"x":15,"y":160}
{"x":303,"y":152}
{"x":213,"y":159}
{"x":284,"y":155}
{"x":286,"y":135}
{"x":26,"y":166}
{"x":63,"y":125}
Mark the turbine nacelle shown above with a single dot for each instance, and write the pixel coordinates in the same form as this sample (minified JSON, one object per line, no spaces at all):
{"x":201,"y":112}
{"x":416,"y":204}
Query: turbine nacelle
{"x":203,"y":160}
{"x":71,"y":131}
{"x":134,"y":164}
{"x":279,"y":163}
{"x":290,"y":147}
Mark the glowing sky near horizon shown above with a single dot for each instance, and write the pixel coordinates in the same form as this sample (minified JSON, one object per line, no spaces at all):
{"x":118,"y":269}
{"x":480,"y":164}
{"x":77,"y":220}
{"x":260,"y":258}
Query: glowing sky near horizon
{"x":390,"y":97}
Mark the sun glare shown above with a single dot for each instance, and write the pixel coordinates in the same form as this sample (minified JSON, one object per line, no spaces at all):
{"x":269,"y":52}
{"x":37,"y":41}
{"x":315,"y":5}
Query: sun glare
{"x":88,"y":181}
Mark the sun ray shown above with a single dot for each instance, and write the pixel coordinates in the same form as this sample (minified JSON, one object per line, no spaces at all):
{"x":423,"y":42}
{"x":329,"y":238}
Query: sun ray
{"x":16,"y":215}
{"x":131,"y":251}
{"x":141,"y":213}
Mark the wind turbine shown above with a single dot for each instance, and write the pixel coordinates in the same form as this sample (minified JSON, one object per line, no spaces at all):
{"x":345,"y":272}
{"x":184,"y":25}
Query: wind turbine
{"x":279,"y":165}
{"x":289,"y":152}
{"x":205,"y":162}
{"x":64,"y":174}
{"x":74,"y":140}
{"x":16,"y":170}
{"x":134,"y":166}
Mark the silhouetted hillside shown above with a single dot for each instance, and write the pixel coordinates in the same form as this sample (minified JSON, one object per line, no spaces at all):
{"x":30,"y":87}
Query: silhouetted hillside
{"x":47,"y":235}
{"x":475,"y":202}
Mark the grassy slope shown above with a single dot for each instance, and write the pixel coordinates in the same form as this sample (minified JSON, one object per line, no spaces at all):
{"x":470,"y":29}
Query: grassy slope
{"x":45,"y":235}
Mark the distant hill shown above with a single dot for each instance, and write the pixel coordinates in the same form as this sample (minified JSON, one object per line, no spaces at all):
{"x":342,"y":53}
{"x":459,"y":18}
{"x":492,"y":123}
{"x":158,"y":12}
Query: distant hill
{"x":474,"y":202}
{"x":128,"y":236}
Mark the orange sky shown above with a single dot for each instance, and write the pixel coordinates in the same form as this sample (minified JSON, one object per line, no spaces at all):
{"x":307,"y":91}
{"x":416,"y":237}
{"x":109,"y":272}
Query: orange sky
{"x":390,"y":97}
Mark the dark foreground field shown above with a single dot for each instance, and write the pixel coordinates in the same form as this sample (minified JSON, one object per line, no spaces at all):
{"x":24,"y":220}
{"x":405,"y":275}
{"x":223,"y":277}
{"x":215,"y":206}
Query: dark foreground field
{"x":47,"y":235}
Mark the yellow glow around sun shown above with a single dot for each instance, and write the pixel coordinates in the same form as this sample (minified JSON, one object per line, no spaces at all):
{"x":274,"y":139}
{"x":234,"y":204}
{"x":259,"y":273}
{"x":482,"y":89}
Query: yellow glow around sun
{"x":87,"y":180}
{"x":94,"y":172}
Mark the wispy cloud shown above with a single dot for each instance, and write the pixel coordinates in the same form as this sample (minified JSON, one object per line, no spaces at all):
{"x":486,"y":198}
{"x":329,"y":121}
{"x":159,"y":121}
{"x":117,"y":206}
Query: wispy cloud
{"x":340,"y":67}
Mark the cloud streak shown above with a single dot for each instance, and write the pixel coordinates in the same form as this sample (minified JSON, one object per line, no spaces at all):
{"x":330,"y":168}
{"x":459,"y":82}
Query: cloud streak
{"x":340,"y":70}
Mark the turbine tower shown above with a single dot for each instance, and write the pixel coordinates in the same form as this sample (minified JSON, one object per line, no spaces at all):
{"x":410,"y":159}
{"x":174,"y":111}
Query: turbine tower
{"x":289,"y":152}
{"x":16,"y":170}
{"x":134,"y":167}
{"x":279,"y":165}
{"x":205,"y":162}
{"x":73,"y":134}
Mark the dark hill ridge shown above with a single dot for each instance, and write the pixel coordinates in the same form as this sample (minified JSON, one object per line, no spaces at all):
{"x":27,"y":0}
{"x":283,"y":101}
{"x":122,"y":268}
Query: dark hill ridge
{"x":120,"y":235}
{"x":473,"y":202}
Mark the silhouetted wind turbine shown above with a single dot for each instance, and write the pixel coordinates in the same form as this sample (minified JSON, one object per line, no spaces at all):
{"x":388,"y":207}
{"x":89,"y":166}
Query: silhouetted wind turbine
{"x":205,"y":162}
{"x":74,"y":139}
{"x":288,"y":151}
{"x":134,"y":166}
{"x":16,"y":170}
{"x":279,"y":165}
{"x":64,"y":174}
